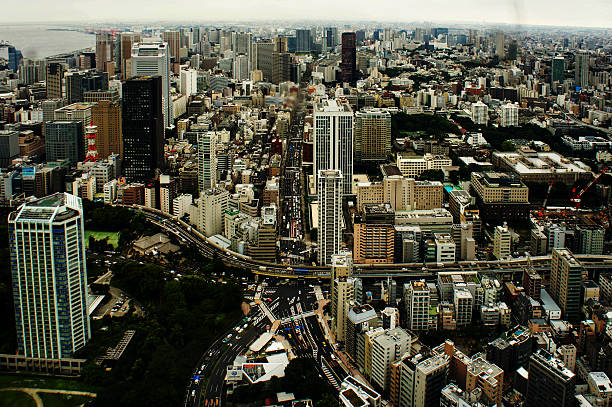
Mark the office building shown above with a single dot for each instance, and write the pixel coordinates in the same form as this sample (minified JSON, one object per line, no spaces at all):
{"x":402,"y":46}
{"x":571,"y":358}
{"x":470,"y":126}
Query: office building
{"x":487,"y":377}
{"x":372,"y":135}
{"x":104,"y":50}
{"x":303,"y":41}
{"x":330,"y":214}
{"x":509,"y":115}
{"x":502,"y":240}
{"x":77,"y":83}
{"x":283,"y":68}
{"x":9,"y":147}
{"x":153,"y":59}
{"x":600,"y":385}
{"x":241,"y":67}
{"x":418,"y":381}
{"x":54,"y":80}
{"x":464,"y":303}
{"x":480,"y":113}
{"x":557,"y":70}
{"x":212,"y":205}
{"x":581,"y":69}
{"x":500,"y":50}
{"x":172,"y":38}
{"x":64,"y":141}
{"x":342,"y":293}
{"x":565,"y":280}
{"x":49,"y":277}
{"x":386,"y":349}
{"x":330,"y":38}
{"x":551,"y":384}
{"x":445,"y":248}
{"x":402,"y":193}
{"x":126,"y":42}
{"x":360,"y":318}
{"x":142,"y":126}
{"x":374,"y":235}
{"x":348,"y":65}
{"x":333,"y":140}
{"x":413,"y":166}
{"x":500,"y":196}
{"x":106,"y":116}
{"x":263,"y":52}
{"x":418,"y":299}
{"x":207,"y":160}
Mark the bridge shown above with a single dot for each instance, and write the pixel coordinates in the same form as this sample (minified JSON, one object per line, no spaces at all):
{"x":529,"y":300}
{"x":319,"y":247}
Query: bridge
{"x":505,"y":269}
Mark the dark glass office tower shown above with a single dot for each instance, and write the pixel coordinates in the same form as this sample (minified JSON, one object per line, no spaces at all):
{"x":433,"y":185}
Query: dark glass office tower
{"x":143,"y":129}
{"x":349,"y":57}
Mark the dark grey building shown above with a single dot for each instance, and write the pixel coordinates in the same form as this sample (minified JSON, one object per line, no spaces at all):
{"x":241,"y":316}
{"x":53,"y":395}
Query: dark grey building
{"x":77,"y":83}
{"x":551,"y":384}
{"x":143,"y":128}
{"x":9,"y":147}
{"x":64,"y":140}
{"x":303,"y":41}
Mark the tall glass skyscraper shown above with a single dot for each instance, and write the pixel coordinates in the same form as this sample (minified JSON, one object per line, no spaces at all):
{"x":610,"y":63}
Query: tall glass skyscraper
{"x":49,"y":275}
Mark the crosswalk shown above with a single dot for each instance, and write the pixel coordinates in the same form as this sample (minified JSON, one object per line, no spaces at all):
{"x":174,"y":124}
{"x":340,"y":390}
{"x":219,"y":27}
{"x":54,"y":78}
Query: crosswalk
{"x":330,"y":377}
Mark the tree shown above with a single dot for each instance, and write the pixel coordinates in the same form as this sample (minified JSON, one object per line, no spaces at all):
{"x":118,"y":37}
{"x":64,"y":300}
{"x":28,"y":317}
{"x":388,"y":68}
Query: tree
{"x":432,"y":175}
{"x":508,"y":146}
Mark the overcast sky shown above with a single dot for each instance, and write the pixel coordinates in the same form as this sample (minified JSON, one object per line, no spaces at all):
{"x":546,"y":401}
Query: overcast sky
{"x":587,"y":13}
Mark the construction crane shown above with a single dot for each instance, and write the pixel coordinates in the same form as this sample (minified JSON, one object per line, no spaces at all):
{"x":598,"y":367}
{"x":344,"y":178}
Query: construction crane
{"x":543,"y":208}
{"x":577,"y":196}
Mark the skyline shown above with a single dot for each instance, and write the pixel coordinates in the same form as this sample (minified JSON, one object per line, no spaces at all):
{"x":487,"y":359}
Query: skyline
{"x":561,"y":13}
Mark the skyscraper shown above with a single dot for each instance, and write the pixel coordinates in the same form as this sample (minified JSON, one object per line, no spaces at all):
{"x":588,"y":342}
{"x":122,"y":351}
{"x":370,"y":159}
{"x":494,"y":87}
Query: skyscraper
{"x":500,"y":51}
{"x":330,"y":214}
{"x":581,"y":74}
{"x":104,"y":50}
{"x":47,"y":245}
{"x":349,"y":57}
{"x":207,"y":160}
{"x":106,"y":116}
{"x":173,"y":39}
{"x":372,"y":135}
{"x":333,"y":134}
{"x":54,"y":80}
{"x":558,"y":70}
{"x":149,"y":59}
{"x":143,"y":130}
{"x":565,"y":280}
{"x":550,"y":382}
{"x":126,"y":42}
{"x":77,"y":83}
{"x":303,"y":40}
{"x":64,"y":140}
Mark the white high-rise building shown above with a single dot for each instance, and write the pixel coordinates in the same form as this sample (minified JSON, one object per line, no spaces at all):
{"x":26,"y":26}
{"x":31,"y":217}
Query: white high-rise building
{"x":151,"y":59}
{"x":333,"y":140}
{"x":386,"y":349}
{"x":502,"y":240}
{"x":189,"y":82}
{"x":49,"y":273}
{"x":509,"y":115}
{"x":207,"y":160}
{"x":330,"y":214}
{"x":240,"y":68}
{"x":417,"y":298}
{"x":212,"y":206}
{"x":480,"y":113}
